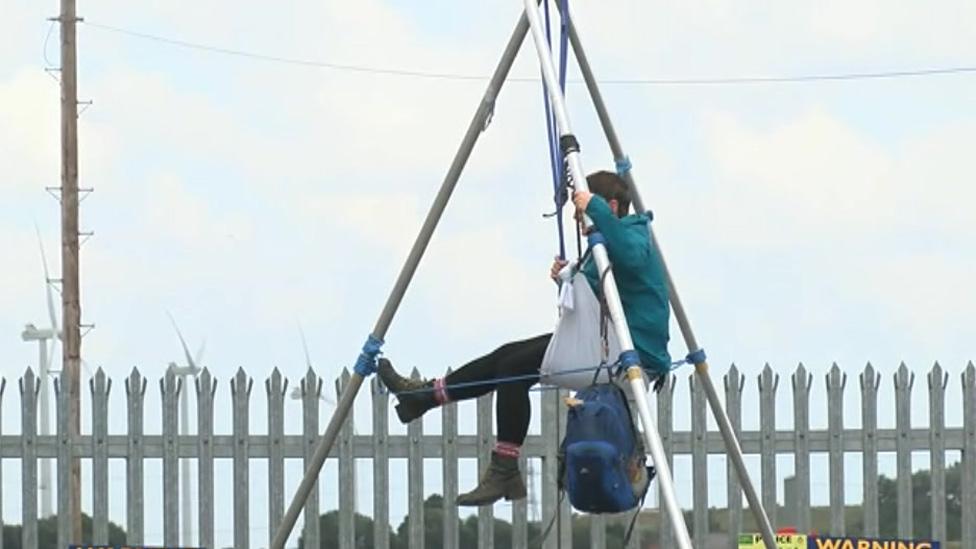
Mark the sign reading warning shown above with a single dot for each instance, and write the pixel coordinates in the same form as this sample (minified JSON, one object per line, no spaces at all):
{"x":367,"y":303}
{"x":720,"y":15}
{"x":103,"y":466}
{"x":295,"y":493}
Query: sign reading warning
{"x":817,"y":542}
{"x":799,"y":541}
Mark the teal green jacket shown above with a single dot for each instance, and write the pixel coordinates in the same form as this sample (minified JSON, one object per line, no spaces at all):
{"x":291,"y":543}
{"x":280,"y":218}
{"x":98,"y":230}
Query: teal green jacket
{"x":641,"y":281}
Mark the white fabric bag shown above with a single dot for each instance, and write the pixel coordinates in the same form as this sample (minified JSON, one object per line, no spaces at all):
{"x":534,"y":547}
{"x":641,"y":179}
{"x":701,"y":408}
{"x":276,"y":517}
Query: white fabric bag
{"x":576,"y":342}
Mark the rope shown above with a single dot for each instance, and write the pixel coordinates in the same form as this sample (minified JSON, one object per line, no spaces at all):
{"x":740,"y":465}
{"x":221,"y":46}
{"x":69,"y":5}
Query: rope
{"x":508,"y":379}
{"x":559,"y":179}
{"x":366,"y":362}
{"x":623,"y":165}
{"x":529,"y":377}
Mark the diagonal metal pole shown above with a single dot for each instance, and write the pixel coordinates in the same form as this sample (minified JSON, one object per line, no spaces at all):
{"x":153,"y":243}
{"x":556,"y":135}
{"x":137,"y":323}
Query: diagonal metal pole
{"x":629,"y":358}
{"x":701,"y":367}
{"x":478,"y":124}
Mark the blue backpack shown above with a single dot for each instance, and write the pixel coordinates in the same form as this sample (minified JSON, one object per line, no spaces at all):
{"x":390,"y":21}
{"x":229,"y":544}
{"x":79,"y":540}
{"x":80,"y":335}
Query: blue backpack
{"x":600,"y":452}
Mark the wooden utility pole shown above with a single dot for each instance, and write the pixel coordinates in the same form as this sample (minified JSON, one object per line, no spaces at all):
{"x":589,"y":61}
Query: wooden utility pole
{"x":70,"y":287}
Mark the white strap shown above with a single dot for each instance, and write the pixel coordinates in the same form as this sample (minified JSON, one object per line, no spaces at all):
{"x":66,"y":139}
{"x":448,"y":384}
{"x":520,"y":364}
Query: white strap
{"x":566,"y":296}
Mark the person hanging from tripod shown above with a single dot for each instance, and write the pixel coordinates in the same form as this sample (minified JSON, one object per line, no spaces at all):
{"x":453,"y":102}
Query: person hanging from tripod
{"x":514,"y":367}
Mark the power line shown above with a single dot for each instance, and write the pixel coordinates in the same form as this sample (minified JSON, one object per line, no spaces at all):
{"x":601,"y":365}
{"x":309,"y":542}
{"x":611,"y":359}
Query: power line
{"x":822,"y":77}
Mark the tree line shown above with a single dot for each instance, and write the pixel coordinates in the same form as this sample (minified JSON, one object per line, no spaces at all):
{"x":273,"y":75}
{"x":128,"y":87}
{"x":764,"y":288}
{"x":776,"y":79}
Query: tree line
{"x":468,"y":528}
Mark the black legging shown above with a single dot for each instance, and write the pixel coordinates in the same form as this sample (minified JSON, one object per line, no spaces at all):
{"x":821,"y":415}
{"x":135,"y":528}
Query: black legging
{"x":512,"y":407}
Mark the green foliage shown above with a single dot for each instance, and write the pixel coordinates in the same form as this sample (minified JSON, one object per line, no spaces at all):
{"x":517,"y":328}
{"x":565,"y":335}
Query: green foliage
{"x":922,"y":503}
{"x":47,"y":533}
{"x":468,"y":528}
{"x":329,"y":531}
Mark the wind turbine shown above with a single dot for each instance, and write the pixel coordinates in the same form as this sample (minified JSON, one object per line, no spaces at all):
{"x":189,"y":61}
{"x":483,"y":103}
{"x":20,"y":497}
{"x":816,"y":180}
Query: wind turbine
{"x":43,"y":336}
{"x":296,"y":392}
{"x":188,"y":373}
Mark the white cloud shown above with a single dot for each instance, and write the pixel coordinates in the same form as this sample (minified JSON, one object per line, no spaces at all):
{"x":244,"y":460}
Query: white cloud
{"x":727,"y":38}
{"x":811,"y":176}
{"x":29,"y":131}
{"x":817,"y":177}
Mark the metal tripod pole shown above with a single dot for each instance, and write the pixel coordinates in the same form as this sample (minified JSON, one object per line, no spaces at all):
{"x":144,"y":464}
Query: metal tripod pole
{"x":701,"y":368}
{"x":628,"y":356}
{"x":478,"y":124}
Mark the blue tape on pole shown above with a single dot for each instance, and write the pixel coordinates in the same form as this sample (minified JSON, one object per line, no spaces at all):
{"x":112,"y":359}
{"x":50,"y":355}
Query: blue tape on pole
{"x":623,"y":165}
{"x":596,"y":238}
{"x":696,"y":357}
{"x":366,"y":363}
{"x":628,"y":359}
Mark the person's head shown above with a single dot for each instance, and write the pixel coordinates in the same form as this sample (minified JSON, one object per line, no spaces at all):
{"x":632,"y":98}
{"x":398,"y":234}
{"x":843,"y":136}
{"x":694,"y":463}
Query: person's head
{"x":612,"y":188}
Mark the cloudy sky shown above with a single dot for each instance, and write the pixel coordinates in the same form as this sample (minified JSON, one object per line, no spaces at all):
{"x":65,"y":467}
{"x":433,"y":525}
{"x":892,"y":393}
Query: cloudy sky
{"x":804,"y":222}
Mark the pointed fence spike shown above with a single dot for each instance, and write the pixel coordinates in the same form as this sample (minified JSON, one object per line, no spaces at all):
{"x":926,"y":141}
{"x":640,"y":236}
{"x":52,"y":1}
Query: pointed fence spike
{"x":202,"y":382}
{"x":732,"y":374}
{"x":133,"y":381}
{"x":934,"y":377}
{"x":272,"y":382}
{"x":799,"y":378}
{"x":866,"y":376}
{"x":968,"y":377}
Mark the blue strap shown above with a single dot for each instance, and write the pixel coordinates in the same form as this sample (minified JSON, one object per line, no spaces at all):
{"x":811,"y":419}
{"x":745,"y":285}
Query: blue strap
{"x":696,"y":357}
{"x":628,"y":359}
{"x":555,"y":158}
{"x":596,"y":238}
{"x":623,"y":165}
{"x":366,"y":363}
{"x":559,"y":179}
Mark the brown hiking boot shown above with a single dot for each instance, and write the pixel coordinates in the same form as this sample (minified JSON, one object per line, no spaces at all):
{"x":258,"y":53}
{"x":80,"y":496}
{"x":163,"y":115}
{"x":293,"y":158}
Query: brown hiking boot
{"x":414,"y":396}
{"x":502,"y":479}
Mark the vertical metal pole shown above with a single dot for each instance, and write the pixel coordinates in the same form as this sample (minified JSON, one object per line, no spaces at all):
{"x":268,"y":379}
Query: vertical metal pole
{"x":478,"y":123}
{"x":721,"y":418}
{"x":44,"y":400}
{"x":635,"y":373}
{"x":187,"y":516}
{"x":70,"y":290}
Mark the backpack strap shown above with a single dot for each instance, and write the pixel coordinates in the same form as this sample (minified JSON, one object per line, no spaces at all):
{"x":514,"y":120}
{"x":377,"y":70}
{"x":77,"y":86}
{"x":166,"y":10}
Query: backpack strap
{"x":545,"y":533}
{"x":640,"y":506}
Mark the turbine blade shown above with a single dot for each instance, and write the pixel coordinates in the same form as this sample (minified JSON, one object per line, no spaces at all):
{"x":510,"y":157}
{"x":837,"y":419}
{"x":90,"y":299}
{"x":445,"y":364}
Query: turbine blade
{"x":50,"y":355}
{"x":47,"y":286}
{"x":186,"y":350}
{"x":308,"y":359}
{"x":198,"y":359}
